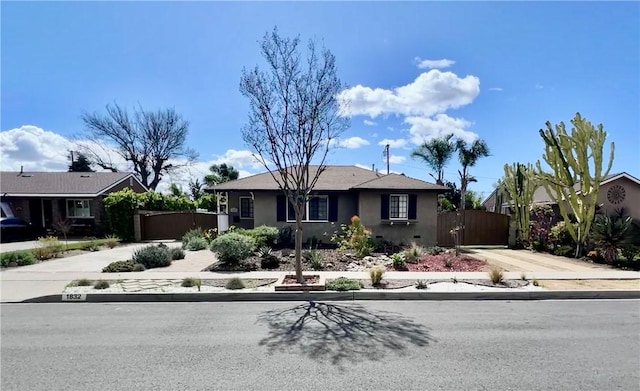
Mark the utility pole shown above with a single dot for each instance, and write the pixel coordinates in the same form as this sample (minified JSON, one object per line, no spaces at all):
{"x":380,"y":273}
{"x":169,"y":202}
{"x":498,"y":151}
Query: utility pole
{"x":385,"y":153}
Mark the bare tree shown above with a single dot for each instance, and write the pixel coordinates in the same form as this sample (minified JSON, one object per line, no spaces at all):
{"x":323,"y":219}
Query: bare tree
{"x":293,"y":117}
{"x":152,"y":141}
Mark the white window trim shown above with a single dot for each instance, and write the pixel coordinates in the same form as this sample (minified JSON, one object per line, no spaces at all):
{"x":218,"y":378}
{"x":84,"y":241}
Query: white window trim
{"x":326,"y":197}
{"x":240,"y":208}
{"x":91,"y":216}
{"x":406,"y":218}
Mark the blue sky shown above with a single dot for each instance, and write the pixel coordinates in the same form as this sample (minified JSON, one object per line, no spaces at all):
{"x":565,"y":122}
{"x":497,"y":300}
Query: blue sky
{"x":512,"y":67}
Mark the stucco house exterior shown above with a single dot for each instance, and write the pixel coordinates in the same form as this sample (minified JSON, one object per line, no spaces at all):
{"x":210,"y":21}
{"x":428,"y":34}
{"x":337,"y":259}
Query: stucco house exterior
{"x":43,"y":198}
{"x":617,"y":191}
{"x":395,"y":207}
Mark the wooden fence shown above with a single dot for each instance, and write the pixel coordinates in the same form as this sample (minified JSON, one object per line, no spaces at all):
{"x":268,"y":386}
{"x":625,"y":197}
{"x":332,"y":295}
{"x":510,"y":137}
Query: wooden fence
{"x":173,"y":225}
{"x":480,"y":228}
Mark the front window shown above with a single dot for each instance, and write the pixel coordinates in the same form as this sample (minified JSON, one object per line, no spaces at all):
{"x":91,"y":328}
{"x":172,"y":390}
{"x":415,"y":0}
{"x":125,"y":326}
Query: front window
{"x":246,"y":208}
{"x":78,"y":208}
{"x":399,"y":207}
{"x":317,"y":209}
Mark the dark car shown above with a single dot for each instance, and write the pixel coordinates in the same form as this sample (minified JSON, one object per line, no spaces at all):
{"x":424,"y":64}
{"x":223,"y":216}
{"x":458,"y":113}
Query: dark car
{"x":13,"y":229}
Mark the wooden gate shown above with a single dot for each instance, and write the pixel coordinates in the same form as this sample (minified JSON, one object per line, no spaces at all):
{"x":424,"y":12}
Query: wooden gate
{"x":173,"y":225}
{"x":479,"y":228}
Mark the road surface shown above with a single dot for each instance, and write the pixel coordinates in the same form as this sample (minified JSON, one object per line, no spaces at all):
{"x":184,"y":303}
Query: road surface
{"x":544,"y":345}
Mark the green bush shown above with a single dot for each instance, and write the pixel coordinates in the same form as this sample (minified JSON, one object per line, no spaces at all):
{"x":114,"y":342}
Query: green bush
{"x":197,"y":244}
{"x":435,"y":250}
{"x":177,"y":253}
{"x":564,"y":251}
{"x":629,"y":251}
{"x":189,"y":282}
{"x":343,"y":284}
{"x":233,"y":247}
{"x":399,"y":261}
{"x":559,"y":235}
{"x":120,"y":207}
{"x":152,"y":256}
{"x":17,"y":258}
{"x":192,"y":234}
{"x":376,"y":275}
{"x":314,"y":257}
{"x":263,"y":235}
{"x":119,"y":267}
{"x":235,"y":283}
{"x":101,"y":284}
{"x":354,"y":237}
{"x":138,"y":267}
{"x":84,"y":282}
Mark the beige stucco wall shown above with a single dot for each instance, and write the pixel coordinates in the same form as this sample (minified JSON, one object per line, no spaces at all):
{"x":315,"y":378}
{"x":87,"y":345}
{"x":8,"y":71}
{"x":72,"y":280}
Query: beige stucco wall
{"x":422,"y":231}
{"x":631,"y":202}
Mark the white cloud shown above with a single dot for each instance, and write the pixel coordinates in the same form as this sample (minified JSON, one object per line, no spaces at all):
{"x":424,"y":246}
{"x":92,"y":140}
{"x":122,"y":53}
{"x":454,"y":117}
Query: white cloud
{"x":33,"y":148}
{"x":430,"y":93}
{"x":395,"y":159}
{"x":433,"y":64}
{"x":374,"y":135}
{"x":398,"y":143}
{"x":363,"y":166}
{"x":238,"y":159}
{"x":539,"y":86}
{"x":495,"y":89}
{"x":423,"y":128}
{"x":353,"y":142}
{"x":369,"y":122}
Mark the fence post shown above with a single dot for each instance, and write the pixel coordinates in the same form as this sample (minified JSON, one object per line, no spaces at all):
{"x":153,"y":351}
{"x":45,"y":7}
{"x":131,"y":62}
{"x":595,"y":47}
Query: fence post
{"x":137,"y":226}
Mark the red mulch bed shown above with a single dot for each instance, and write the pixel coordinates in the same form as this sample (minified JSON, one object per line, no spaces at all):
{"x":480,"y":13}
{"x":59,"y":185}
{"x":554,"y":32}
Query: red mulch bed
{"x":307,"y":279}
{"x":436,"y":263}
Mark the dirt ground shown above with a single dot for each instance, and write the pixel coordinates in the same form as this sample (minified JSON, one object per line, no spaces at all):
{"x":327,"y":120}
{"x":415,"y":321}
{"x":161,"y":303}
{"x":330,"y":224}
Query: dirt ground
{"x":567,"y":285}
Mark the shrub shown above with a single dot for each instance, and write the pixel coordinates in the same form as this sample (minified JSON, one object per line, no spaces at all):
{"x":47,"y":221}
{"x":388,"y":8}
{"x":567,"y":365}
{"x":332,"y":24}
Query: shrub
{"x":119,"y":208}
{"x":564,"y":251}
{"x":376,"y":274}
{"x":611,"y":232}
{"x":84,"y":282}
{"x":559,"y":235}
{"x":189,"y":282}
{"x":314,"y":257}
{"x":193,"y":234}
{"x":235,"y":283}
{"x":101,"y":284}
{"x":138,"y":267}
{"x":119,"y":267}
{"x":17,"y":258}
{"x":448,"y":262}
{"x":496,"y":276}
{"x":197,"y":244}
{"x":47,"y":247}
{"x":398,"y":260}
{"x":523,"y":276}
{"x":285,"y":236}
{"x":91,"y":245}
{"x":413,"y":253}
{"x":342,"y":284}
{"x":233,"y":247}
{"x":177,"y":253}
{"x":263,"y":235}
{"x":152,"y":256}
{"x":354,"y":237}
{"x":435,"y":250}
{"x":420,"y":284}
{"x":535,"y":283}
{"x":111,"y":241}
{"x":629,"y":251}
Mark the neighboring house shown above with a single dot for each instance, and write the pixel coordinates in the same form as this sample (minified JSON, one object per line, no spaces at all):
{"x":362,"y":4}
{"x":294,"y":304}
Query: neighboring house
{"x":395,"y":207}
{"x":617,"y":191}
{"x":43,"y":198}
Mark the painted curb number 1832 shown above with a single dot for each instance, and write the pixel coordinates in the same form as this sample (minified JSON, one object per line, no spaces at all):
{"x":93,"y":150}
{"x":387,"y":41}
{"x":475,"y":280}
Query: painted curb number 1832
{"x":74,"y":296}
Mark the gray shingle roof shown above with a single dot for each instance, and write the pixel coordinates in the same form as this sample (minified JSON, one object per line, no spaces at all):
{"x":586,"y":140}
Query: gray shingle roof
{"x":337,"y":178}
{"x":59,"y":183}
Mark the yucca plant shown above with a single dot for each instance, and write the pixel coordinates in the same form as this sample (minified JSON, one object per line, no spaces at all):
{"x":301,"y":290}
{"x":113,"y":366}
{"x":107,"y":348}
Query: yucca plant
{"x":611,"y":233}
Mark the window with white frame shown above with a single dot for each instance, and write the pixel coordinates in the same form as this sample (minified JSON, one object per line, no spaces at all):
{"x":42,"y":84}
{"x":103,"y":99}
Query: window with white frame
{"x":246,"y":208}
{"x":317,"y":209}
{"x":79,"y":208}
{"x":399,"y":207}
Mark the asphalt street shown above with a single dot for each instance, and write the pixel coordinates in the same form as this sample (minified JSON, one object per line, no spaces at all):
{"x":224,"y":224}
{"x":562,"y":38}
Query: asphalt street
{"x":486,"y":345}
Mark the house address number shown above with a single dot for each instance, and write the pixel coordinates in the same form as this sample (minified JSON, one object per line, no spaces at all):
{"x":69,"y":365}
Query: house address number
{"x":74,"y":297}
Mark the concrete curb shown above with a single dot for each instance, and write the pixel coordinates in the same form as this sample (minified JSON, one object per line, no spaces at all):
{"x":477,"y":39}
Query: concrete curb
{"x":340,"y":296}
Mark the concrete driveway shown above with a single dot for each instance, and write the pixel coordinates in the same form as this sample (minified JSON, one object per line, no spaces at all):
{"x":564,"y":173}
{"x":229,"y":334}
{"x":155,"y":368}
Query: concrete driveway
{"x":528,"y":261}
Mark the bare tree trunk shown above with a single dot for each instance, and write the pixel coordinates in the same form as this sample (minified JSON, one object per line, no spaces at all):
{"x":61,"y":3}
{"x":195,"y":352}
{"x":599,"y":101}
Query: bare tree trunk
{"x":298,"y":245}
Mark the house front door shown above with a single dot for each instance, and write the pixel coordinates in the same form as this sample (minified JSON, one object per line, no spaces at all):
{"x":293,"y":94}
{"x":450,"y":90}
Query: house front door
{"x":35,"y":212}
{"x":47,"y":213}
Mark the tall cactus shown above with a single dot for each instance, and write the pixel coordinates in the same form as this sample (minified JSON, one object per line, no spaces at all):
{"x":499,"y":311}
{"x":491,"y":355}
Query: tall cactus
{"x":571,"y":157}
{"x":520,"y":182}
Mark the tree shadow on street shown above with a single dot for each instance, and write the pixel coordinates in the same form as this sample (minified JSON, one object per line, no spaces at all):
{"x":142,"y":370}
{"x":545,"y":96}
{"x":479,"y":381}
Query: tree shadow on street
{"x":341,"y":333}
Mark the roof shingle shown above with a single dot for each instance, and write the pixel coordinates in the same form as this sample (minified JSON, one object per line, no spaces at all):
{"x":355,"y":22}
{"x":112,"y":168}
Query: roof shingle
{"x":59,"y":183}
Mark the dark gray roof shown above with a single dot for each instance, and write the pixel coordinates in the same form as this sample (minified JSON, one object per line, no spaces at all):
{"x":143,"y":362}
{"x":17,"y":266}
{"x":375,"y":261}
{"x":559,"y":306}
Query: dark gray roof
{"x":337,"y":178}
{"x":59,"y":183}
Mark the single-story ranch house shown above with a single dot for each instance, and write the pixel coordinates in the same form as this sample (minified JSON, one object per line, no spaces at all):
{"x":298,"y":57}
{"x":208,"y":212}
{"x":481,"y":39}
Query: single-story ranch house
{"x":43,"y":198}
{"x":395,"y":207}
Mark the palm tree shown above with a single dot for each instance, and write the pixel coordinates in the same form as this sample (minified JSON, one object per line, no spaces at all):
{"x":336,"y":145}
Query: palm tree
{"x":436,"y":153}
{"x":468,"y":156}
